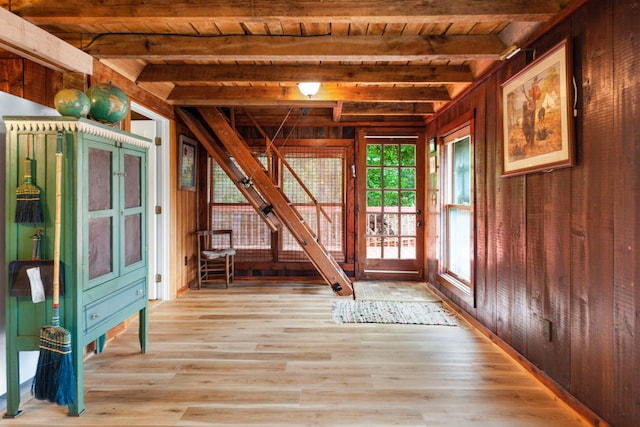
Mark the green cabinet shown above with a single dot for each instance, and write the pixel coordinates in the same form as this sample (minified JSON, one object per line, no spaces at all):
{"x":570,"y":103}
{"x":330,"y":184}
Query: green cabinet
{"x":103,"y":235}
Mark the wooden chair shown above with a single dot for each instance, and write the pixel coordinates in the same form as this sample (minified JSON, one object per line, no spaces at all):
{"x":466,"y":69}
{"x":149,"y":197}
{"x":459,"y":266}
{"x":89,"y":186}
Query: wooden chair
{"x":215,"y":256}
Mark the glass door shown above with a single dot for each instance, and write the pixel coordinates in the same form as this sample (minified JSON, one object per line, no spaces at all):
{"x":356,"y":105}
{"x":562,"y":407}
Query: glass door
{"x":390,"y":231}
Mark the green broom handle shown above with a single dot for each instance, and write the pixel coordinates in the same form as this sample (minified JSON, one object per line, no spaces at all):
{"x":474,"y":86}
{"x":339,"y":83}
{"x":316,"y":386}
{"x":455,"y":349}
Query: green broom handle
{"x":56,"y":232}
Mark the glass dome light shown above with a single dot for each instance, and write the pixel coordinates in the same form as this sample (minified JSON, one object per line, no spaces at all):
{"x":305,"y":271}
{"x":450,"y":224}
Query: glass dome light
{"x":309,"y":88}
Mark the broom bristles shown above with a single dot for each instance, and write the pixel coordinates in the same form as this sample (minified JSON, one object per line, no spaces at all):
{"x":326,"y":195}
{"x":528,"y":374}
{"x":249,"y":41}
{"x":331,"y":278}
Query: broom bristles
{"x":28,"y":207}
{"x":54,"y":380}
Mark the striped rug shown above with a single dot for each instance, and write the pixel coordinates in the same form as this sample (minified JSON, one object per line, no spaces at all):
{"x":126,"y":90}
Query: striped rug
{"x":401,"y":312}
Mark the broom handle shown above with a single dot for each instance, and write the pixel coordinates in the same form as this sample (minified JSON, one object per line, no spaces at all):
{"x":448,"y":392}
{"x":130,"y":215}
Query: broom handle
{"x":56,"y":232}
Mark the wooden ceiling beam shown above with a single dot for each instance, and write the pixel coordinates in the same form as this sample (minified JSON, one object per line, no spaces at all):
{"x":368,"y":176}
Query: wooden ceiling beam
{"x":387,"y":109}
{"x":389,"y":74}
{"x":27,"y":40}
{"x":234,"y":96}
{"x":295,"y":48}
{"x":284,"y":11}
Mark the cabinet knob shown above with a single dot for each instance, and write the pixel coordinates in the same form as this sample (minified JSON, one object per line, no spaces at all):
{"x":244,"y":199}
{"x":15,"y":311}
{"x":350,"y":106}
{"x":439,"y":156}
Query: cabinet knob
{"x":95,"y":315}
{"x":140,"y":292}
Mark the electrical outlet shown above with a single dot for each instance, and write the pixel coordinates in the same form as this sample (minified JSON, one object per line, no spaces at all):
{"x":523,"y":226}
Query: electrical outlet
{"x":546,"y":329}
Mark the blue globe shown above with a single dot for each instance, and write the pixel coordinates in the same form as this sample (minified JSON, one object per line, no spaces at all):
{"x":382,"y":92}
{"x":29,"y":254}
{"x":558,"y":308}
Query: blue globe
{"x":109,"y":104}
{"x":72,"y":102}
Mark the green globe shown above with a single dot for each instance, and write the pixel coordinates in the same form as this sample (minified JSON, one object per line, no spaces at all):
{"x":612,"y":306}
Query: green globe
{"x":72,"y":102}
{"x":109,"y":104}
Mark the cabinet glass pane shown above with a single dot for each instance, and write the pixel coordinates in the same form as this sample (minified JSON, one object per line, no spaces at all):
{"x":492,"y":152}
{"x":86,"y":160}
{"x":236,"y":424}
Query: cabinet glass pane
{"x":100,"y":255}
{"x":132,"y":181}
{"x":99,"y":179}
{"x":133,"y":238}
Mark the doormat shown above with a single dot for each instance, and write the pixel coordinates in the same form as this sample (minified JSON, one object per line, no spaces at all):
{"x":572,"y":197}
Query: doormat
{"x":400,"y":312}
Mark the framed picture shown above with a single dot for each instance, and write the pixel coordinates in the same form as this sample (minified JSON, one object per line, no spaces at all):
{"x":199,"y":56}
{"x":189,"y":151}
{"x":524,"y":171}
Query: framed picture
{"x":537,"y":119}
{"x":187,"y":163}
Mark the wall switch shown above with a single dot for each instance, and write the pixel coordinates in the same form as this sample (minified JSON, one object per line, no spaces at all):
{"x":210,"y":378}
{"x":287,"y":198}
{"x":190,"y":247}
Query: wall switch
{"x":546,"y":329}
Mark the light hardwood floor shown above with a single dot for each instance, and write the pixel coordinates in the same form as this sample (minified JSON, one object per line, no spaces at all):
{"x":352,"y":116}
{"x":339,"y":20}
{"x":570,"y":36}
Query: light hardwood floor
{"x":267,"y":354}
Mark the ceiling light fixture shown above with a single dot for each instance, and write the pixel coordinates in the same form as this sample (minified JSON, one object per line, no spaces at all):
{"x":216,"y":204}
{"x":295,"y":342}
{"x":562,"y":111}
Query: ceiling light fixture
{"x":309,"y":88}
{"x":510,"y":52}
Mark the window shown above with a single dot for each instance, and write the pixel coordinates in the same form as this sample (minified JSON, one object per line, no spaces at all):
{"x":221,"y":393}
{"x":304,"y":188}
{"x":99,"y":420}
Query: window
{"x":322,"y":171}
{"x":457,"y":224}
{"x":229,"y":209}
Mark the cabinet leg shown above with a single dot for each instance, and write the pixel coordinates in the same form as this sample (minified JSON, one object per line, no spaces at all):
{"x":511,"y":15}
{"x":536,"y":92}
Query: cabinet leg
{"x":13,"y":385}
{"x":100,"y":343}
{"x":143,"y":336}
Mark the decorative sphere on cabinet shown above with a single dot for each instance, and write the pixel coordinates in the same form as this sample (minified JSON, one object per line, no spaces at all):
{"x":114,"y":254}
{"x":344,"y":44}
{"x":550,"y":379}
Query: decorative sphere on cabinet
{"x":72,"y":102}
{"x":109,"y":104}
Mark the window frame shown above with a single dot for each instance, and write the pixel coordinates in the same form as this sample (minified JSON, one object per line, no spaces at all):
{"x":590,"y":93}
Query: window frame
{"x":456,"y":131}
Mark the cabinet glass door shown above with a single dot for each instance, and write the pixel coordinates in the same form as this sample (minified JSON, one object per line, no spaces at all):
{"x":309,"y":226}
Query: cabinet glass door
{"x":133,"y":208}
{"x":101,"y":211}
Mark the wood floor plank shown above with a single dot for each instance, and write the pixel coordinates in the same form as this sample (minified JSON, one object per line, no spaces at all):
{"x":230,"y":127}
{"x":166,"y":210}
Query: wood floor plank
{"x":266,"y":354}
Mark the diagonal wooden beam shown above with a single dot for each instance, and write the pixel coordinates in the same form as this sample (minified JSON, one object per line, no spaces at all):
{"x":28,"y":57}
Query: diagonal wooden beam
{"x":198,"y":73}
{"x":229,"y":96}
{"x":295,"y":48}
{"x":284,"y":11}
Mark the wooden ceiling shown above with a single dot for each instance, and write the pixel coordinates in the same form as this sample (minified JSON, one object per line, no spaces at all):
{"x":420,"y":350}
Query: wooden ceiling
{"x":380,"y":61}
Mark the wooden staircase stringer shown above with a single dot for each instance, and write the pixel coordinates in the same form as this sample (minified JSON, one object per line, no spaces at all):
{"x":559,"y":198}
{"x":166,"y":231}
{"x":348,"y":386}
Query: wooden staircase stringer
{"x":322,"y":260}
{"x":229,"y":167}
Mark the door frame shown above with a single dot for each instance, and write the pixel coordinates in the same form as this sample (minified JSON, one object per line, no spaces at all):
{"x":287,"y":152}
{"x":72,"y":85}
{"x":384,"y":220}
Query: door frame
{"x":397,"y":269}
{"x":158,"y":195}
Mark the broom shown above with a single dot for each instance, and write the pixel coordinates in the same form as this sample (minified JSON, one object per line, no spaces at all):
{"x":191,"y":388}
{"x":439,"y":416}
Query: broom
{"x":54,"y":380}
{"x":28,"y":208}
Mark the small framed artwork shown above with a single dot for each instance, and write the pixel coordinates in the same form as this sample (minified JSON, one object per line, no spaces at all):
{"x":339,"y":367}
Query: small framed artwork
{"x":537,"y":119}
{"x":433,"y":145}
{"x":187,"y":158}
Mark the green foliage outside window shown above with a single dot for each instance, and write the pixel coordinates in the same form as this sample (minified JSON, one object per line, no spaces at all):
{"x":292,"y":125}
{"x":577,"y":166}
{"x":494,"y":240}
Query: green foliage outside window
{"x":395,"y":170}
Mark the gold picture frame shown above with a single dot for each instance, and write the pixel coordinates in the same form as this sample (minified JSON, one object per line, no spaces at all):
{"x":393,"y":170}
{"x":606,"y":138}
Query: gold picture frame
{"x":537,"y":115}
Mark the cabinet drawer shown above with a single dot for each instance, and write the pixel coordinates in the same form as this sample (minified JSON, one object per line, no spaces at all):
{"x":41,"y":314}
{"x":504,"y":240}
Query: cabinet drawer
{"x":115,"y":307}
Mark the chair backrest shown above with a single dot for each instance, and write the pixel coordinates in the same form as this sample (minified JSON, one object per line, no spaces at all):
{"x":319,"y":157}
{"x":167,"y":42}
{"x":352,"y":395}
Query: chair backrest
{"x":215,"y":239}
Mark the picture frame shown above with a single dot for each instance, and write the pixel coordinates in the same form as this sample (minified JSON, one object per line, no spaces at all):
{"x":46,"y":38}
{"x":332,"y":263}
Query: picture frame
{"x":537,"y":115}
{"x":187,"y":156}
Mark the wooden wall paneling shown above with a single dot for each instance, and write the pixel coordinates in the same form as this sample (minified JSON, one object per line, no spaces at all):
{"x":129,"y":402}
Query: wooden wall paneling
{"x":431,"y":208}
{"x":185,"y":208}
{"x":203,"y":217}
{"x":487,"y":306}
{"x":535,"y":267}
{"x":578,"y":297}
{"x":483,"y":301}
{"x":502,"y":232}
{"x":557,"y":277}
{"x":11,"y":76}
{"x":626,"y":205}
{"x":594,"y":350}
{"x":41,"y":84}
{"x":516,"y":212}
